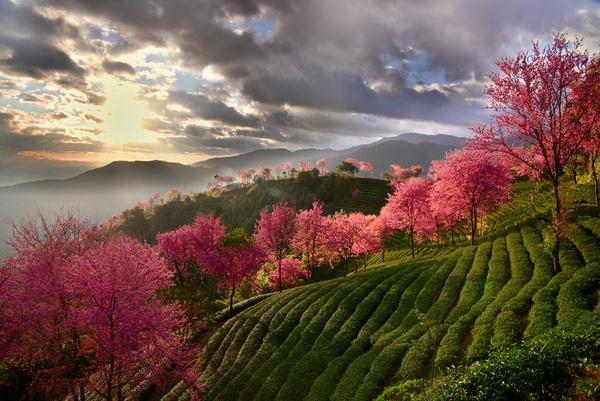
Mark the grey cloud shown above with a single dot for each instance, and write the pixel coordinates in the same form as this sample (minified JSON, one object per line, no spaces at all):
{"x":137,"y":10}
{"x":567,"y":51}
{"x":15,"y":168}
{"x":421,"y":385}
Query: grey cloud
{"x":117,"y":67}
{"x":36,"y":59}
{"x":31,"y":139}
{"x":205,"y":108}
{"x":27,"y":38}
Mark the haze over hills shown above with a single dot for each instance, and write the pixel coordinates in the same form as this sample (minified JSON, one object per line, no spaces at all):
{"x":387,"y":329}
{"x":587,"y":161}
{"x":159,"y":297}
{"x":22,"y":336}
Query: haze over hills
{"x":103,"y":192}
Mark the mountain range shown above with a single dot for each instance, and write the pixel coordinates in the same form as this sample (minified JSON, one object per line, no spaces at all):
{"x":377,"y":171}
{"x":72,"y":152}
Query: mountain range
{"x":102,"y":192}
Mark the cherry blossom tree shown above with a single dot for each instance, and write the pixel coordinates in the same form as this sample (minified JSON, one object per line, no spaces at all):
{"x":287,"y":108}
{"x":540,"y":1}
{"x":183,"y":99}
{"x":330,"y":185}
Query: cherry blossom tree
{"x":383,"y":229}
{"x":408,"y":209}
{"x":311,"y":237}
{"x":191,"y":245}
{"x":39,"y":334}
{"x":365,"y":167}
{"x":130,"y":334}
{"x":468,"y":184}
{"x":237,"y":259}
{"x":368,"y":238}
{"x":291,"y":273}
{"x":264,"y":173}
{"x":246,"y":175}
{"x":401,"y":174}
{"x":274,"y":231}
{"x":173,"y":193}
{"x":321,"y":166}
{"x":305,"y":166}
{"x":535,"y":119}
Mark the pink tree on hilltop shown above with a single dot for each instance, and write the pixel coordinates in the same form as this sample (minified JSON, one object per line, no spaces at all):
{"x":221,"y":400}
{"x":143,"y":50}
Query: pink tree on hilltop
{"x":365,"y":167}
{"x":305,"y":166}
{"x":191,"y":245}
{"x":469,"y":183}
{"x":274,"y":232}
{"x":402,"y":174}
{"x":264,"y":173}
{"x":131,"y":335}
{"x":408,"y":209}
{"x":536,"y":120}
{"x":173,"y":193}
{"x":321,"y":166}
{"x":246,"y":175}
{"x":291,"y":273}
{"x":311,"y":236}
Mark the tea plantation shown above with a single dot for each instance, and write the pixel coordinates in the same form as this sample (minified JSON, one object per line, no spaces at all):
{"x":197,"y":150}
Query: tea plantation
{"x":350,"y":338}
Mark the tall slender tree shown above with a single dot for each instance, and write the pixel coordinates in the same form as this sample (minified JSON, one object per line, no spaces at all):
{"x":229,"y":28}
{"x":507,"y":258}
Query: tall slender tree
{"x":274,"y":231}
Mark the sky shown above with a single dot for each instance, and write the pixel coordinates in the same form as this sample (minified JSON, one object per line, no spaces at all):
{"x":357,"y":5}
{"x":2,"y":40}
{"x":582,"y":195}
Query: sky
{"x":84,"y":83}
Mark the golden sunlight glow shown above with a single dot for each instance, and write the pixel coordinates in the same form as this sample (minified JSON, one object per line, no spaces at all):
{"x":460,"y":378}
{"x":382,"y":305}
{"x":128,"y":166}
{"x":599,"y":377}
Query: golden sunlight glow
{"x":123,"y":112}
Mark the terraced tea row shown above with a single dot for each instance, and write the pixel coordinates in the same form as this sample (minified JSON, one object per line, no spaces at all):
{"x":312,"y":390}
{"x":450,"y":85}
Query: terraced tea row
{"x":346,"y":339}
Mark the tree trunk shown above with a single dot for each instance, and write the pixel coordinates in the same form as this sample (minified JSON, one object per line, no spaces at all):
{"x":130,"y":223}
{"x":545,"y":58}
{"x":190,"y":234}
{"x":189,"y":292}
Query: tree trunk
{"x":231,"y":300}
{"x":345,"y":267}
{"x":383,"y":254}
{"x":355,"y":267}
{"x":556,"y":227}
{"x":280,"y":282}
{"x":412,"y":242}
{"x":473,"y":227}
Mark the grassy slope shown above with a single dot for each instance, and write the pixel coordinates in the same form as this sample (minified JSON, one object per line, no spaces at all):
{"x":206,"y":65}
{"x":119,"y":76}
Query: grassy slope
{"x":348,"y":338}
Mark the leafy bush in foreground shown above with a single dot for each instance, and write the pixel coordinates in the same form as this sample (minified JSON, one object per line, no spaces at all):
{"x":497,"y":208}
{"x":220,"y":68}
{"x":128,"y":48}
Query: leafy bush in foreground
{"x":545,"y":368}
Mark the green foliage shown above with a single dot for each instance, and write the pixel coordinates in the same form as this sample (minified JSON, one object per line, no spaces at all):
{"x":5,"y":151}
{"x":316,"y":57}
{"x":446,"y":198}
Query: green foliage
{"x":347,"y":168}
{"x":240,"y":206}
{"x":543,"y":369}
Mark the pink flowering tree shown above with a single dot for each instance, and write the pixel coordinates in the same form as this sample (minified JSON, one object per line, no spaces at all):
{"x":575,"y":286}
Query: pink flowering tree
{"x":535,"y":116}
{"x":190,"y":246}
{"x":80,"y":312}
{"x":399,"y":173}
{"x":274,"y":232}
{"x":264,"y":173}
{"x":305,"y":166}
{"x":321,"y":166}
{"x":236,"y":260}
{"x":173,"y":193}
{"x":40,"y":336}
{"x":290,"y":276}
{"x":368,"y":238}
{"x":383,"y":228}
{"x":311,"y":236}
{"x":408,"y":209}
{"x":130,"y":334}
{"x":246,"y":175}
{"x":365,"y":167}
{"x":470,"y":183}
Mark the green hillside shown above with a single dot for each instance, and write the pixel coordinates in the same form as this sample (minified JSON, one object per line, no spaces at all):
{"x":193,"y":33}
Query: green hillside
{"x":240,"y":205}
{"x":349,"y":338}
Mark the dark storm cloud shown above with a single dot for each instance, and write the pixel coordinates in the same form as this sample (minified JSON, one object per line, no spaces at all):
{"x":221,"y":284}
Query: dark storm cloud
{"x":205,"y":108}
{"x":31,"y":58}
{"x":309,"y":69}
{"x":27,"y":41}
{"x":117,"y":67}
{"x":213,"y":141}
{"x":31,"y":139}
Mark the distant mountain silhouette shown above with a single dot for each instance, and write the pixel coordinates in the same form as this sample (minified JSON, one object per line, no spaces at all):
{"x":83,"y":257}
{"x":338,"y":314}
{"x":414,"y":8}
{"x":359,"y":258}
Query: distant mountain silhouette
{"x":265,"y":157}
{"x":398,"y":151}
{"x":103,"y":192}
